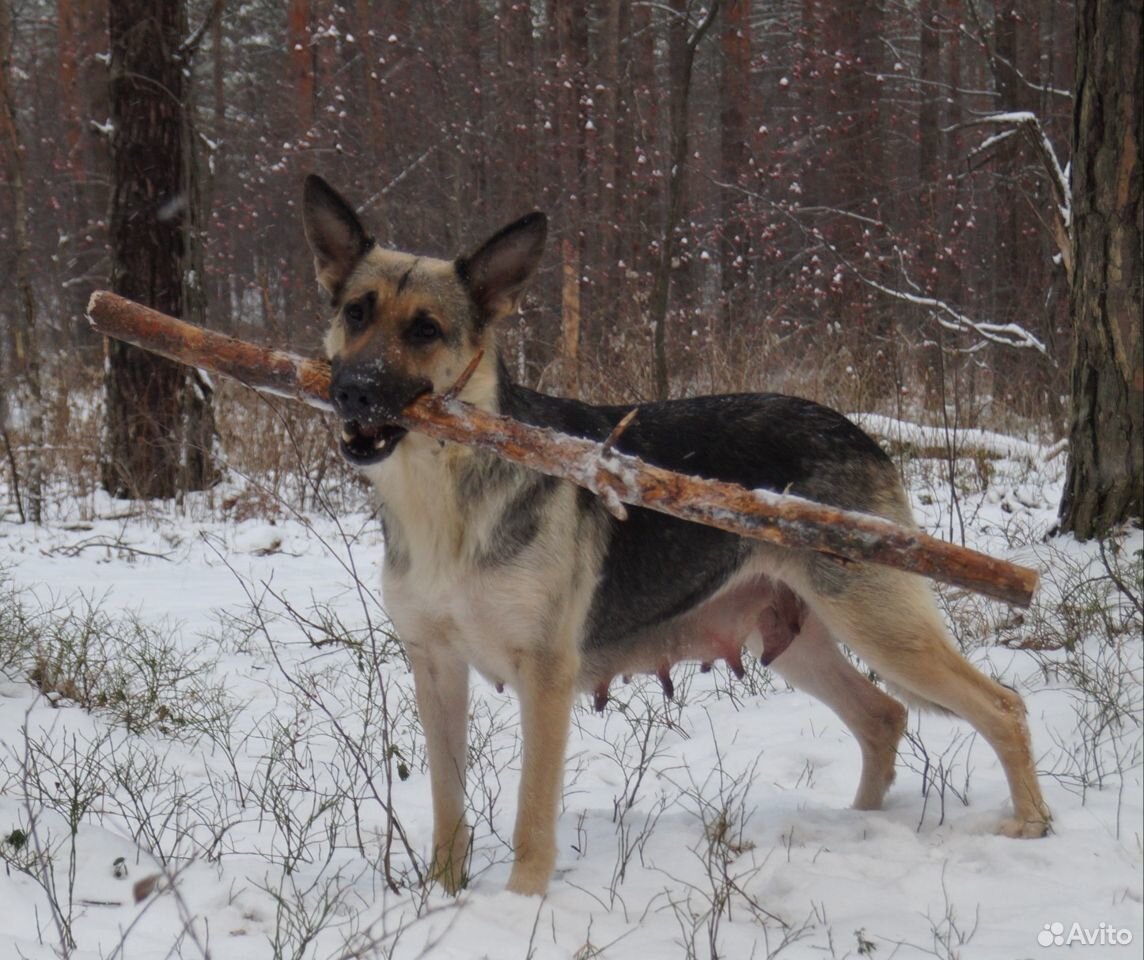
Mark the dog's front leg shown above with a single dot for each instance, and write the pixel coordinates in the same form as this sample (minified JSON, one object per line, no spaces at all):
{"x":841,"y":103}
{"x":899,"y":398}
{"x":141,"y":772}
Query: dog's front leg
{"x":441,"y":683}
{"x":547,"y":686}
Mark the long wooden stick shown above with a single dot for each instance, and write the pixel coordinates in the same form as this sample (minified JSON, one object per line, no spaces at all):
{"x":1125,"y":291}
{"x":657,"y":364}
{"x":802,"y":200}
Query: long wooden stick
{"x":616,"y":477}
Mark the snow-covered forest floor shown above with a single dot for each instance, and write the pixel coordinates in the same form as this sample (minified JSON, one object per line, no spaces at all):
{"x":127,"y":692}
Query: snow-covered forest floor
{"x":208,"y":747}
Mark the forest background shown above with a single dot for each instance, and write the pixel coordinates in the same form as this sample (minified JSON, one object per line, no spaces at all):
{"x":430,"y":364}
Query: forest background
{"x":858,"y":202}
{"x":926,"y":213}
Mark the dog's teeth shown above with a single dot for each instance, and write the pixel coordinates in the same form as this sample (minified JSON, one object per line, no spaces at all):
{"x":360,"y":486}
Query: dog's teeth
{"x":379,"y":443}
{"x":347,"y":436}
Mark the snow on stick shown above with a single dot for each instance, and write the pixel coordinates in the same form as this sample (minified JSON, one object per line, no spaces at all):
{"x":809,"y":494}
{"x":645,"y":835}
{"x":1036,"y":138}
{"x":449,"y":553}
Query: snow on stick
{"x":617,"y":478}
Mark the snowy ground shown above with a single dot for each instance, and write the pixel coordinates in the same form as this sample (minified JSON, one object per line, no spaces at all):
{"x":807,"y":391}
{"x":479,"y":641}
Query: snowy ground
{"x":250,"y":734}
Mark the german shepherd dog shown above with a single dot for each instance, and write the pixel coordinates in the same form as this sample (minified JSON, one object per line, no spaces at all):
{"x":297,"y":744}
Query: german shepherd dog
{"x":530,"y":580}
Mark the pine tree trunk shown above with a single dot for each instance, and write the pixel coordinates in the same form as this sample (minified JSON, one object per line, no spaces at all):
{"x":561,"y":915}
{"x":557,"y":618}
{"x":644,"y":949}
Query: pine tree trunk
{"x":570,"y":314}
{"x":681,"y":56}
{"x":735,"y":109}
{"x":571,"y":51}
{"x":158,"y":426}
{"x":1106,"y":464}
{"x":301,"y":55}
{"x":68,"y":76}
{"x":24,"y":346}
{"x":929,"y":133}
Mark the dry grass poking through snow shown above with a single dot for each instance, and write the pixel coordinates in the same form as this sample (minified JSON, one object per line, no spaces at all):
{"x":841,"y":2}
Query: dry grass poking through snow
{"x":202,"y":706}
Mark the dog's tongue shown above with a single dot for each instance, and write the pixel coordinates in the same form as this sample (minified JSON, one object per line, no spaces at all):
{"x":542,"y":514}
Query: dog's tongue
{"x":366,"y":432}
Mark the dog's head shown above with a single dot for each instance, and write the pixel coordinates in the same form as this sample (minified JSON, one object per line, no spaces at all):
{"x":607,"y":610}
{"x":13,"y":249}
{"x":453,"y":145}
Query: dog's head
{"x":408,"y":325}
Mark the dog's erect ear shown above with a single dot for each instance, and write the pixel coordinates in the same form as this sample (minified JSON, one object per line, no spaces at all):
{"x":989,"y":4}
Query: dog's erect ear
{"x":496,"y":273}
{"x":334,"y":232}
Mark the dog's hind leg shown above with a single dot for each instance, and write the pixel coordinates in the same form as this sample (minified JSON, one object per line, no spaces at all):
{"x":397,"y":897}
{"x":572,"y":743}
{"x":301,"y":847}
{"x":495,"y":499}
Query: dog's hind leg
{"x":890,"y":620}
{"x":814,"y":663}
{"x":547,"y":687}
{"x":441,"y":684}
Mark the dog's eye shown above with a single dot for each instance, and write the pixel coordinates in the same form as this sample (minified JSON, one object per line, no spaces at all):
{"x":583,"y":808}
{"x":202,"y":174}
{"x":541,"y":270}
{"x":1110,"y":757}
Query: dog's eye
{"x":355,"y":315}
{"x":424,"y":329}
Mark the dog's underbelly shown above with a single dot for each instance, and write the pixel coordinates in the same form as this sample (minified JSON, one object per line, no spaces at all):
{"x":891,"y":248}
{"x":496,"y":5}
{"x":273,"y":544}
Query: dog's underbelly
{"x":494,"y":618}
{"x":752,"y":611}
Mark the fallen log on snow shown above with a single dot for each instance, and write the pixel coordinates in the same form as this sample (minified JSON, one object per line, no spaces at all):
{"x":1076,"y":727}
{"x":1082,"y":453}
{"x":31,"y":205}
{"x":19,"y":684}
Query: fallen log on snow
{"x":616,"y":477}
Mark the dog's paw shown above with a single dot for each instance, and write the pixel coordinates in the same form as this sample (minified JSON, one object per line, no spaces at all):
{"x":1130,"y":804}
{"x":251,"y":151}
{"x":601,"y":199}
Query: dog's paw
{"x":1031,"y":828}
{"x":448,"y":874}
{"x":450,"y":859}
{"x":528,"y":882}
{"x":535,"y":858}
{"x":873,"y":786}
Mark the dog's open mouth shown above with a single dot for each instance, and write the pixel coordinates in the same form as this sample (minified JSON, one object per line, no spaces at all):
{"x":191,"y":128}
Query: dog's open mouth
{"x":363,"y":445}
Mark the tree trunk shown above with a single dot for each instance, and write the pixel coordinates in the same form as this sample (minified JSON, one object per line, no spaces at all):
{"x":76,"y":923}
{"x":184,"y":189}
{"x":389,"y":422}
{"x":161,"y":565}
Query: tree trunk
{"x":682,"y":57}
{"x":26,"y":353}
{"x":735,"y":109}
{"x":570,"y":317}
{"x":607,"y":279}
{"x":68,"y":74}
{"x":1106,"y":464}
{"x":517,"y":126}
{"x":571,"y":52}
{"x":301,"y":63}
{"x":375,"y":136}
{"x":929,"y":137}
{"x":1012,"y":94}
{"x":159,"y":427}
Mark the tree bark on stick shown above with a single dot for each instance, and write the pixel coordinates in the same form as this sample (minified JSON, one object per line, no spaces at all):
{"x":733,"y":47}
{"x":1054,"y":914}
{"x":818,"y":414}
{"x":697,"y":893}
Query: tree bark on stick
{"x":616,"y":477}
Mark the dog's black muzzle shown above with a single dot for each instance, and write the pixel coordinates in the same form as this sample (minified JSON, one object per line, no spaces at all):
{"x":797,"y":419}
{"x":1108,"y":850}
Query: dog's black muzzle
{"x":369,"y":400}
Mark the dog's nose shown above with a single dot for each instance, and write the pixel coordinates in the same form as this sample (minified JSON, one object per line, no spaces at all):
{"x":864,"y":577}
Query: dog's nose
{"x":353,"y":395}
{"x":370,"y":394}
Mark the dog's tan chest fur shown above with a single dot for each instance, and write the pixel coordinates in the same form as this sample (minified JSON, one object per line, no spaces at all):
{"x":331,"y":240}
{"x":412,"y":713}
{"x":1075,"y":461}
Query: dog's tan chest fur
{"x":441,"y":591}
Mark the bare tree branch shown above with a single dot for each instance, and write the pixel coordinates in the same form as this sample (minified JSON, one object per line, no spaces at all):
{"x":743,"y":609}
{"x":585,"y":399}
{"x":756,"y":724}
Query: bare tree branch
{"x":1006,"y":334}
{"x":1029,"y":125}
